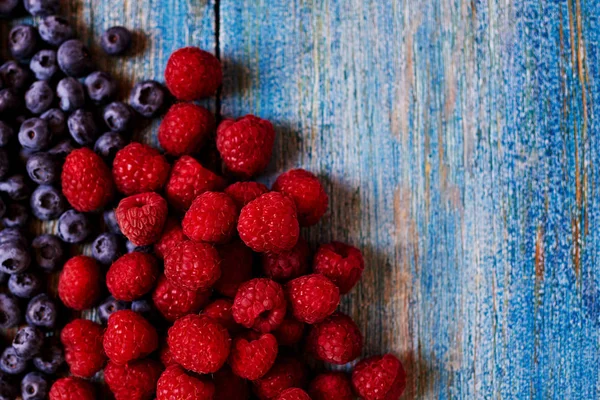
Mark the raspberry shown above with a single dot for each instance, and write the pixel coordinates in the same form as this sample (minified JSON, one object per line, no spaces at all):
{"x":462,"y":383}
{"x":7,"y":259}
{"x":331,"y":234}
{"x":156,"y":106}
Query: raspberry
{"x":132,"y":276}
{"x":236,"y":267}
{"x":171,"y":236}
{"x":192,"y":74}
{"x":229,"y":386}
{"x":72,"y":388}
{"x":82,"y":340}
{"x":288,"y":264}
{"x":133,"y":381}
{"x":139,"y":168}
{"x":293,"y":394}
{"x":185,"y":128}
{"x":306,"y":191}
{"x":199,"y":343}
{"x":176,"y":384}
{"x":269,"y":223}
{"x":337,"y":340}
{"x":129,"y":336}
{"x":220,"y":311}
{"x":287,"y":372}
{"x":289,"y":332}
{"x":174,"y":302}
{"x":259,"y":304}
{"x":341,"y":263}
{"x":141,"y":217}
{"x":86,"y":181}
{"x":79,"y":283}
{"x":331,"y":386}
{"x":312,"y":298}
{"x":379,"y":378}
{"x":165,"y":355}
{"x":243,"y":193}
{"x":188,"y":180}
{"x":211,"y":218}
{"x":252,"y":359}
{"x":193,"y":266}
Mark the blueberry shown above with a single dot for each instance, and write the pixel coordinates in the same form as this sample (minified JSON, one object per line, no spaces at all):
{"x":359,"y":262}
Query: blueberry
{"x":106,"y":248}
{"x":62,"y":149}
{"x":74,"y":58}
{"x":15,"y":76}
{"x":35,"y":134}
{"x":16,"y":216}
{"x":8,"y":391}
{"x":147,"y":98}
{"x":109,"y":306}
{"x":8,"y":235}
{"x":24,"y":285}
{"x":55,"y":30}
{"x":142,"y":249}
{"x":70,"y":94}
{"x":116,"y":40}
{"x":15,"y":187}
{"x":6,"y":133}
{"x":9,"y":101}
{"x":23,"y":41}
{"x":73,"y":227}
{"x":82,"y":127}
{"x":49,"y":360}
{"x":34,"y":386}
{"x":108,"y":144}
{"x":57,"y":121}
{"x":101,"y":87}
{"x":48,"y":251}
{"x":39,"y":97}
{"x":117,"y":117}
{"x":10,"y":314}
{"x":110,"y":220}
{"x":40,"y":8}
{"x":2,"y":208}
{"x":4,"y":163}
{"x":47,"y":202}
{"x":7,"y":8}
{"x":43,"y":64}
{"x":11,"y":363}
{"x":43,"y":168}
{"x":145,"y":307}
{"x":41,"y":311}
{"x":28,"y":342}
{"x":14,"y":257}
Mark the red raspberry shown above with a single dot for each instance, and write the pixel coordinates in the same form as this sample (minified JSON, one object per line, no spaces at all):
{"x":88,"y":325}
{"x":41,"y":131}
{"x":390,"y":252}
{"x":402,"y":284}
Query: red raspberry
{"x":72,"y":388}
{"x":337,"y":340}
{"x":82,"y":340}
{"x":192,"y":74}
{"x":289,"y":264}
{"x":229,"y":386}
{"x":293,"y":394}
{"x":174,"y":302}
{"x":165,"y":355}
{"x":199,"y":343}
{"x":252,"y":359}
{"x":236,"y":267}
{"x":341,"y":263}
{"x":289,"y":332}
{"x":287,"y":372}
{"x":138,"y":168}
{"x":171,"y":236}
{"x":269,"y":224}
{"x":188,"y":180}
{"x":141,"y":217}
{"x":211,"y":218}
{"x":220,"y":311}
{"x":193,"y":266}
{"x":245,"y":144}
{"x":260,"y":304}
{"x":79,"y":283}
{"x":306,"y":191}
{"x":176,"y":384}
{"x":185,"y":128}
{"x":379,"y":378}
{"x":243,"y":193}
{"x":129,"y":336}
{"x":331,"y":386}
{"x":86,"y":181}
{"x":312,"y":298}
{"x":133,"y":381}
{"x":132,"y":276}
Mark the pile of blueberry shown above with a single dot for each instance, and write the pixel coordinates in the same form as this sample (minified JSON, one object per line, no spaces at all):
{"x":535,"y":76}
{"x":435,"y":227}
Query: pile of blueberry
{"x":52,"y":100}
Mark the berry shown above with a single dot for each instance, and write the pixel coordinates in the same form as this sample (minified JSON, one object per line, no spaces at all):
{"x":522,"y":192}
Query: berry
{"x":70,"y":94}
{"x":24,"y":285}
{"x":9,"y":101}
{"x":245,"y":144}
{"x":78,"y":283}
{"x":220,"y":311}
{"x":11,"y":363}
{"x":337,"y":340}
{"x":379,"y":378}
{"x":229,"y":386}
{"x":171,"y":236}
{"x":34,"y":134}
{"x":62,"y":149}
{"x":48,"y":252}
{"x":106,"y":248}
{"x":211,"y":218}
{"x":176,"y":384}
{"x":293,"y":394}
{"x":16,"y":216}
{"x":133,"y":381}
{"x":49,"y":359}
{"x":193,"y":266}
{"x":252,"y":358}
{"x":7,"y":7}
{"x":74,"y":58}
{"x":39,"y":97}
{"x":312,"y":298}
{"x":117,"y":116}
{"x":23,"y":41}
{"x":192,"y":74}
{"x":14,"y":257}
{"x":287,"y":373}
{"x":73,"y":227}
{"x":341,"y":263}
{"x":188,"y":180}
{"x":110,"y":220}
{"x":72,"y":388}
{"x":185,"y":128}
{"x":15,"y":76}
{"x":6,"y":134}
{"x":109,"y":144}
{"x":28,"y":342}
{"x":306,"y":191}
{"x":132,"y":276}
{"x":141,"y":217}
{"x":236,"y":267}
{"x":47,"y":203}
{"x":100,"y":87}
{"x":259,"y":304}
{"x":115,"y":40}
{"x":199,"y":343}
{"x":129,"y":336}
{"x":55,"y":30}
{"x":57,"y":121}
{"x":82,"y":340}
{"x":86,"y":181}
{"x":269,"y":223}
{"x":289,"y":332}
{"x":174,"y":302}
{"x":287,"y":265}
{"x":331,"y":386}
{"x":42,"y":168}
{"x":40,"y":8}
{"x":147,"y":98}
{"x":13,"y":235}
{"x":34,"y":386}
{"x":44,"y":65}
{"x":41,"y":311}
{"x":82,"y":127}
{"x":139,"y":168}
{"x":243,"y":193}
{"x":109,"y":306}
{"x":165,"y":355}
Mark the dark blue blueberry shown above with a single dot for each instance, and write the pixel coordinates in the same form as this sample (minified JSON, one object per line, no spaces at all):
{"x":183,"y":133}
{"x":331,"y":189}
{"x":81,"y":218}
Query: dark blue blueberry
{"x":43,"y":64}
{"x":10,"y":314}
{"x":63,"y":148}
{"x":8,"y":390}
{"x":9,"y":101}
{"x":106,"y":248}
{"x":15,"y":187}
{"x":57,"y":121}
{"x":49,"y":360}
{"x":14,"y":257}
{"x":34,"y":386}
{"x":24,"y":285}
{"x":15,"y":76}
{"x":28,"y":342}
{"x":8,"y":235}
{"x":23,"y":41}
{"x":74,"y":58}
{"x":109,"y":306}
{"x":3,"y":278}
{"x":55,"y":30}
{"x":43,"y":168}
{"x":49,"y":252}
{"x":108,"y":144}
{"x":40,"y":8}
{"x":101,"y":87}
{"x":110,"y":220}
{"x":39,"y":97}
{"x":145,"y":307}
{"x":6,"y":133}
{"x":47,"y":202}
{"x":35,"y":134}
{"x":147,"y":98}
{"x":142,"y":249}
{"x":41,"y":311}
{"x":11,"y":363}
{"x":117,"y":117}
{"x":70,"y":94}
{"x":116,"y":40}
{"x":7,"y":8}
{"x":82,"y":127}
{"x":73,"y":227}
{"x":4,"y":163}
{"x":16,"y":216}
